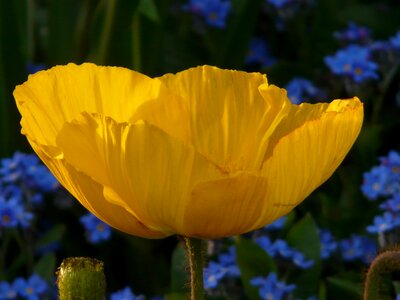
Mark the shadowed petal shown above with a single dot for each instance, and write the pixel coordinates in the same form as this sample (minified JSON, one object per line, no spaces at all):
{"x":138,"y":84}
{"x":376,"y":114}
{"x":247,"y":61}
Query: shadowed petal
{"x":90,"y":195}
{"x":307,"y":156}
{"x":227,"y":206}
{"x":142,"y":169}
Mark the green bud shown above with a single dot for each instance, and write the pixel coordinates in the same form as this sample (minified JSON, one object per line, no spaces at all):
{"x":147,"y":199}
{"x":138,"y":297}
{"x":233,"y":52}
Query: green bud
{"x":81,"y":278}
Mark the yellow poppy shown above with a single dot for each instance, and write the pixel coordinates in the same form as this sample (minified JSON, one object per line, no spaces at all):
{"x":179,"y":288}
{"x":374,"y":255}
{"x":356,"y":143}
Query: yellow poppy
{"x":202,"y":153}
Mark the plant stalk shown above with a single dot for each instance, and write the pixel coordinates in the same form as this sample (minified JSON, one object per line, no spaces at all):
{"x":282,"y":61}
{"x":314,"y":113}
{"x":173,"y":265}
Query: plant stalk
{"x":378,"y":281}
{"x":196,"y":263}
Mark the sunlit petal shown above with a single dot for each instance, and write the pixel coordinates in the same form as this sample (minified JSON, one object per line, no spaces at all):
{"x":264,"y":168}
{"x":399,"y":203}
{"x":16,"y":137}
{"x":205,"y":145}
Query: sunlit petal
{"x":230,"y":121}
{"x":51,"y":98}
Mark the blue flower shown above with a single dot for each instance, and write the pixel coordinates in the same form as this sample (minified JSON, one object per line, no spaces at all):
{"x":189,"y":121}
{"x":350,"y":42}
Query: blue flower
{"x":279,"y":3}
{"x":281,"y":248}
{"x":395,"y":41}
{"x":277,"y":224}
{"x":32,"y":288}
{"x":96,"y":230}
{"x":357,"y":248}
{"x":7,"y":291}
{"x":213,"y":274}
{"x":28,"y":169}
{"x":300,"y":261}
{"x":13,"y":213}
{"x":32,"y":68}
{"x":225,"y":267}
{"x":266,"y":244}
{"x":271,"y":288}
{"x":328,"y":244}
{"x":258,"y":54}
{"x":375,"y":182}
{"x":299,"y":89}
{"x":354,"y":62}
{"x":228,"y":261}
{"x":214,"y":12}
{"x":353,"y":33}
{"x":383,"y":223}
{"x":392,"y":204}
{"x":125,"y":294}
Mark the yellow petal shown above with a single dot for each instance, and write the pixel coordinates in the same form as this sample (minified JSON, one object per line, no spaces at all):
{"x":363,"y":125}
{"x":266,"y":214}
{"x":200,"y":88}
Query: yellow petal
{"x":50,"y":98}
{"x":142,"y":169}
{"x":90,"y":195}
{"x":226,"y":207}
{"x":230,"y":121}
{"x":308,"y":155}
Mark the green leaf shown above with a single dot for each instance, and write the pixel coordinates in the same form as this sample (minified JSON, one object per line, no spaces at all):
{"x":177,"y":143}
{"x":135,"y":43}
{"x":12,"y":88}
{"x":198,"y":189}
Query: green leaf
{"x":13,"y":40}
{"x":179,"y":274}
{"x":239,"y":31}
{"x":46,"y":266}
{"x":53,"y":235}
{"x":304,"y":237}
{"x":347,"y":287}
{"x":252,"y":261}
{"x":61,"y":41}
{"x":149,"y":9}
{"x":176,"y":296}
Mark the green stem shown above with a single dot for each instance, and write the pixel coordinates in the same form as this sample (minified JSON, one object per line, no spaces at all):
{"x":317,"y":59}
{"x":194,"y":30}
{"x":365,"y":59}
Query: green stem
{"x":105,"y":37}
{"x":196,"y":264}
{"x":136,"y":45}
{"x":376,"y":110}
{"x":378,"y":283}
{"x":81,"y":278}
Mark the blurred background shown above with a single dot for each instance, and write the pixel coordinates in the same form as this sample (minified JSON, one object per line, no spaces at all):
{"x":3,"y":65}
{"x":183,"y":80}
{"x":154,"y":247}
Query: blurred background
{"x":318,"y":50}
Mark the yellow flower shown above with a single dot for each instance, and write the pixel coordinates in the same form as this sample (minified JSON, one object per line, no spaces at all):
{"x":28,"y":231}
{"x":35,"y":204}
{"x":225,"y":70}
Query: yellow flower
{"x":202,"y":153}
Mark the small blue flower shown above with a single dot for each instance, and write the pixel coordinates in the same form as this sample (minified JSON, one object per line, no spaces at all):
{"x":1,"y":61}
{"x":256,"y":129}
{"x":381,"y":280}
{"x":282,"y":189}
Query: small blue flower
{"x":271,"y":288}
{"x":279,"y":3}
{"x":13,"y":213}
{"x":266,"y":244}
{"x":32,"y":68}
{"x":96,"y":230}
{"x":259,"y":55}
{"x":354,"y":62}
{"x":375,"y":182}
{"x":282,"y":248}
{"x":354,"y":34}
{"x":7,"y":291}
{"x":395,"y":41}
{"x":228,"y":261}
{"x":213,"y":274}
{"x":214,"y":12}
{"x":28,"y":169}
{"x":32,"y":288}
{"x":125,"y":294}
{"x":277,"y":224}
{"x":299,"y":89}
{"x":358,"y":248}
{"x":328,"y":244}
{"x":383,"y":223}
{"x":225,"y":267}
{"x":392,"y":204}
{"x":300,"y":261}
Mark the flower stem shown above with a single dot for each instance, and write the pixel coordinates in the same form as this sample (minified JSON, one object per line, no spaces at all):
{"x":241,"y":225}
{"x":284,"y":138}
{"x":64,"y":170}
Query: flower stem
{"x":196,"y":264}
{"x":106,"y":34}
{"x":81,"y":278}
{"x":377,"y":284}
